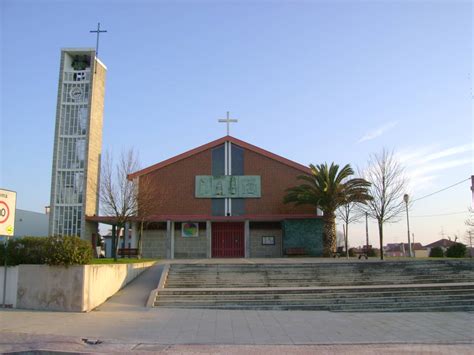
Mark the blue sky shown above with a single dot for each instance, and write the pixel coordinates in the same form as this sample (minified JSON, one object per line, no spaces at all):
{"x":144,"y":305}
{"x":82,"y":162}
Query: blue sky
{"x":310,"y":80}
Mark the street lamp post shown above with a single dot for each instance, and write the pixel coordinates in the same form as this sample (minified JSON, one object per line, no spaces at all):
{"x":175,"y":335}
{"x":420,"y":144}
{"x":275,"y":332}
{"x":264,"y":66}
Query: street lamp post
{"x":366,"y":234}
{"x":405,"y":198}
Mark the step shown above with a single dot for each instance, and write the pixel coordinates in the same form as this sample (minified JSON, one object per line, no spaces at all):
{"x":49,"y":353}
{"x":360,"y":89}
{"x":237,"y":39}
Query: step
{"x":311,"y":296}
{"x":340,"y":286}
{"x":420,"y":307}
{"x":439,"y":308}
{"x":309,"y":284}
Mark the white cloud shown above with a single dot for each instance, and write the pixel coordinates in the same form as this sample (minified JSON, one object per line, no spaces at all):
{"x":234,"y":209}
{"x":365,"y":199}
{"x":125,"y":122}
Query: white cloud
{"x":412,"y":155}
{"x":423,"y":155}
{"x":448,"y":152}
{"x":378,"y":131}
{"x":421,"y":183}
{"x":422,"y":170}
{"x":424,"y":165}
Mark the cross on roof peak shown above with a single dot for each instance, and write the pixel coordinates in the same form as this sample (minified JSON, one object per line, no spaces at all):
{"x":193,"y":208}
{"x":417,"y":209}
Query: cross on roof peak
{"x":228,"y":121}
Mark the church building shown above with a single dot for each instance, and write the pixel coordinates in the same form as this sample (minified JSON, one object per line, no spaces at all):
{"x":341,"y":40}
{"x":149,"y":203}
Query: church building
{"x":225,"y":199}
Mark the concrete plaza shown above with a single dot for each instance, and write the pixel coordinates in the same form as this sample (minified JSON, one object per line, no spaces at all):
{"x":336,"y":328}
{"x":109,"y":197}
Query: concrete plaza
{"x":123,"y":323}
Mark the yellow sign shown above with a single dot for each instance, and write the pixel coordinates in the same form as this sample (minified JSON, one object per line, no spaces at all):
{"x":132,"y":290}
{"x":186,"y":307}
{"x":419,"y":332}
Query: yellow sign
{"x":10,"y":230}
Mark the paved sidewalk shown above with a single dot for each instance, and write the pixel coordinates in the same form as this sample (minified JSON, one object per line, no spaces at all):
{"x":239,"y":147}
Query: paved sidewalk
{"x":26,"y":342}
{"x":178,"y":326}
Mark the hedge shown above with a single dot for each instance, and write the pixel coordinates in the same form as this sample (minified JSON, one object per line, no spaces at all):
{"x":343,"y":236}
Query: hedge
{"x":55,"y":250}
{"x":436,"y":252}
{"x":457,"y":250}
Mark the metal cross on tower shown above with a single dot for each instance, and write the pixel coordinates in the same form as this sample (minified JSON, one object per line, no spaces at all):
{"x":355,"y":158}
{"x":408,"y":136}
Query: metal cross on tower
{"x":228,"y":120}
{"x":98,"y":31}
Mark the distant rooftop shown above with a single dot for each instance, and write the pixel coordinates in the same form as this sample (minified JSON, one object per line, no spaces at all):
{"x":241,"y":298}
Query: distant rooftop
{"x":398,"y":246}
{"x":441,"y":243}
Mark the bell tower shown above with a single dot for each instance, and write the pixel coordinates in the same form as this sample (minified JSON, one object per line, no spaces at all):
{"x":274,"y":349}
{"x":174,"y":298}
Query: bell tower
{"x":77,"y":143}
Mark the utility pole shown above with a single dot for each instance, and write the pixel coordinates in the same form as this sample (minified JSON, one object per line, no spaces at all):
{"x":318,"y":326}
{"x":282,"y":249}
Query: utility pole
{"x":472,"y":189}
{"x":405,"y":198}
{"x":5,"y":272}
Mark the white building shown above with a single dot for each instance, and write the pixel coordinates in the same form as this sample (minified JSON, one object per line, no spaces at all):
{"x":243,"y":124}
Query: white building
{"x":31,"y":224}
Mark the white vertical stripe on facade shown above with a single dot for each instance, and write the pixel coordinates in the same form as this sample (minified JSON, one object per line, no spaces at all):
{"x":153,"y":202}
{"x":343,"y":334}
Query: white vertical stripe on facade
{"x":225,"y":173}
{"x":229,"y":170}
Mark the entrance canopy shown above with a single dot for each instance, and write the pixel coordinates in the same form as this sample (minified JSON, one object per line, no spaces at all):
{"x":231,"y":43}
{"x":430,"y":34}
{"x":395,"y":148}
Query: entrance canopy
{"x":203,"y":218}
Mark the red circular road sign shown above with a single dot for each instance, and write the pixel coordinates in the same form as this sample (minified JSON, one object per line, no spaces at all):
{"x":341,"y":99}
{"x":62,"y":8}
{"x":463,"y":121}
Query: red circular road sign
{"x":4,"y":212}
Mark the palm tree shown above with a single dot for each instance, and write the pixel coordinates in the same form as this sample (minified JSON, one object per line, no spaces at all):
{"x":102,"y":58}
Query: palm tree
{"x":328,"y":188}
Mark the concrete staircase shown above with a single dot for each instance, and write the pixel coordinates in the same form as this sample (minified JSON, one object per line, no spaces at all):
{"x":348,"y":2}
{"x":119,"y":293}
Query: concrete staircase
{"x":441,"y":285}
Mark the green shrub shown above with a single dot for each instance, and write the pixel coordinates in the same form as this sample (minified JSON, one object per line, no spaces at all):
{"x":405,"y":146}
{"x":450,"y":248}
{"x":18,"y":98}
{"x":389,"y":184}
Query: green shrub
{"x":67,"y":251}
{"x":457,"y":250}
{"x":27,"y":250}
{"x":436,"y":252}
{"x":352,"y":252}
{"x":47,"y":250}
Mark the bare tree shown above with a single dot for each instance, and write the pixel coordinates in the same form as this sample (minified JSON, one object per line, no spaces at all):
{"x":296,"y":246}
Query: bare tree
{"x":349,"y":213}
{"x":118,"y":194}
{"x":388,"y":186}
{"x":147,"y":200}
{"x":469,"y":236}
{"x":470,"y":220}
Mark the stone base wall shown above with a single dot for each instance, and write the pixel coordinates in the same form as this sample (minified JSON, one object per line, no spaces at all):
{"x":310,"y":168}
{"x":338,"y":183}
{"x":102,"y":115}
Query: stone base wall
{"x":259,"y":230}
{"x":154,"y":243}
{"x":190,"y":247}
{"x":305,"y":233}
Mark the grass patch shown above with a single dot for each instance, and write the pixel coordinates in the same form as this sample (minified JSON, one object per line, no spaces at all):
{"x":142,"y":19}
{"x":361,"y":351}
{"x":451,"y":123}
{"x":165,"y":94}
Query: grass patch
{"x":120,"y":261}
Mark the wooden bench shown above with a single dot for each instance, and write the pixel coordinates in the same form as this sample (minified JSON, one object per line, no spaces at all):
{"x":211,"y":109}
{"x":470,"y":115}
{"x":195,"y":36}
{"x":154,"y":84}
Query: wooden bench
{"x":128,"y":252}
{"x":296,"y":251}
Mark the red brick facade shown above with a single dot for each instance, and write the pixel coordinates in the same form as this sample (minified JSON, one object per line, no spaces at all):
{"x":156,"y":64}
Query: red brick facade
{"x":276,"y":177}
{"x":175,"y":183}
{"x":174,"y":186}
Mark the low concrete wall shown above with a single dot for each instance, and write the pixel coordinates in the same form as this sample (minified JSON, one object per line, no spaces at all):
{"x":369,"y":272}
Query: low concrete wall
{"x":76,"y":288}
{"x":52,"y":288}
{"x":12,"y":284}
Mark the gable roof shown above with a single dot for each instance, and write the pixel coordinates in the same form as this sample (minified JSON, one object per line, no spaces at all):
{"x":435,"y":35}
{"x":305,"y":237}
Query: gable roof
{"x":217,"y":142}
{"x":441,"y":243}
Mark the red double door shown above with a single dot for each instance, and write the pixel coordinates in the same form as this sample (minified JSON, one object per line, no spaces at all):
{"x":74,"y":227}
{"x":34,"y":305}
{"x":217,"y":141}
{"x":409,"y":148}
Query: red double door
{"x":228,"y":240}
